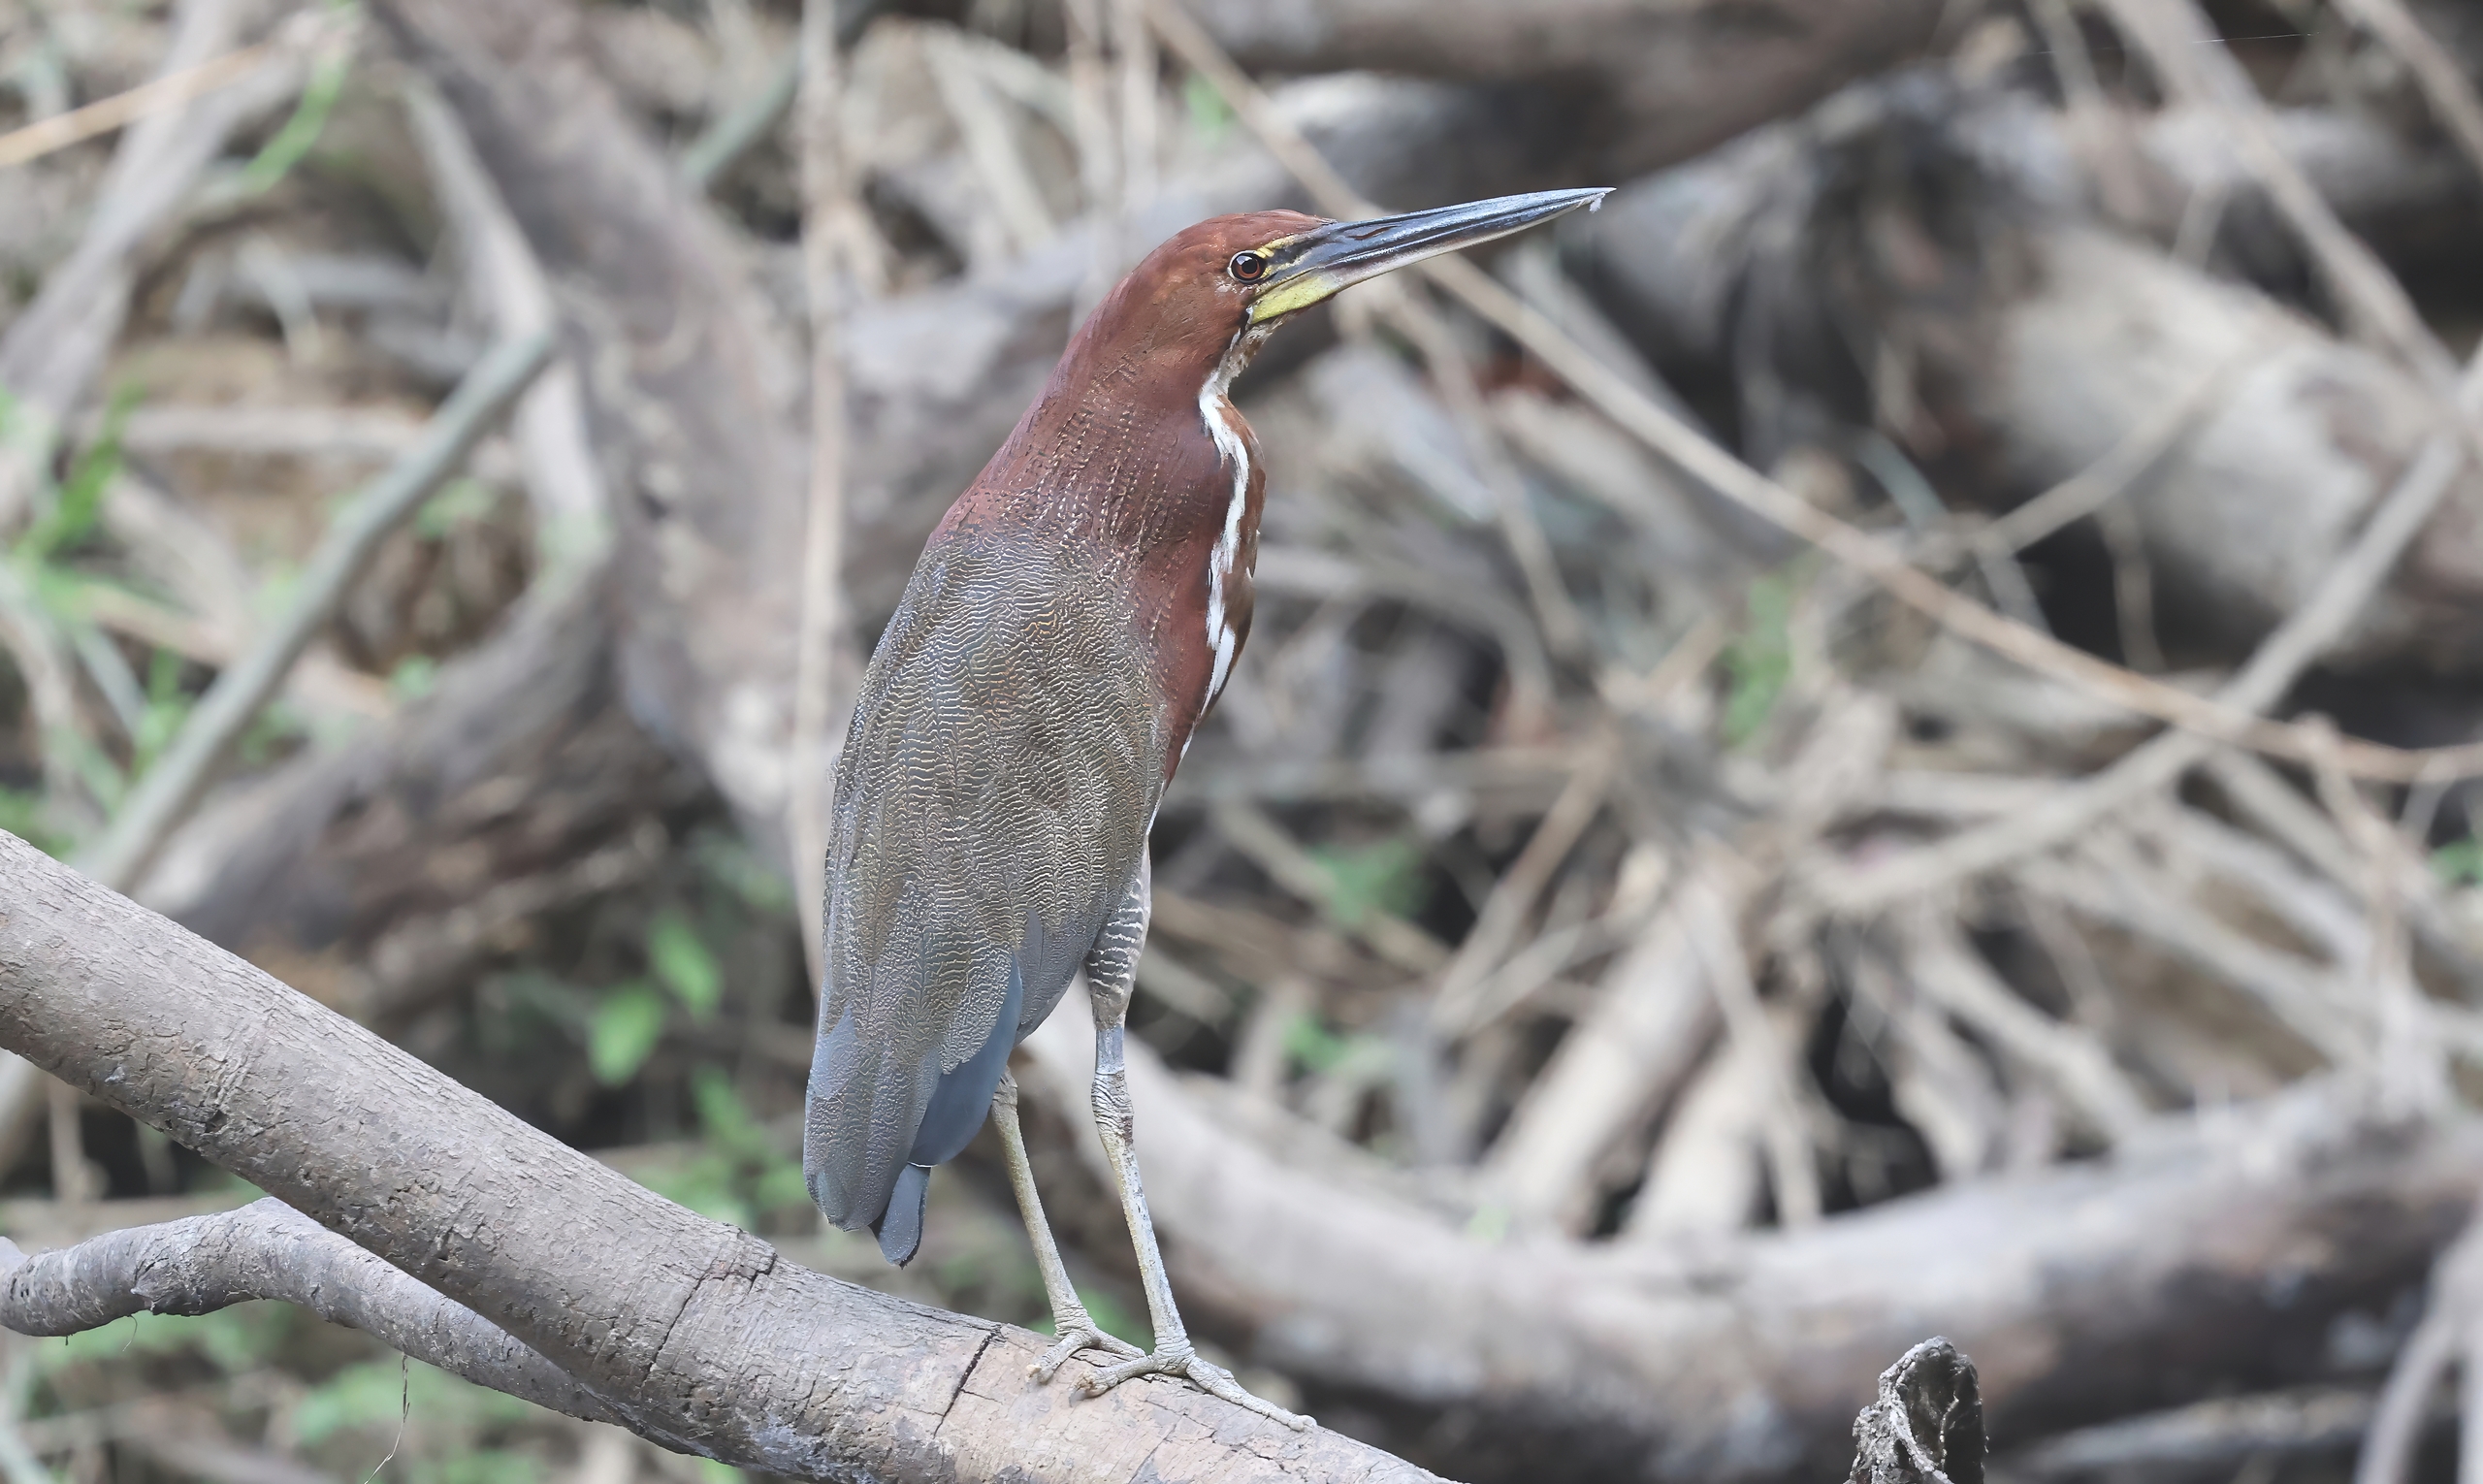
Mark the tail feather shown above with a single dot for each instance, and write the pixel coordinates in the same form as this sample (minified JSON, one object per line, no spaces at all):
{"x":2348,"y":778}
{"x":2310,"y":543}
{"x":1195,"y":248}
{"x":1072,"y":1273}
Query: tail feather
{"x":877,"y":1121}
{"x":900,"y":1227}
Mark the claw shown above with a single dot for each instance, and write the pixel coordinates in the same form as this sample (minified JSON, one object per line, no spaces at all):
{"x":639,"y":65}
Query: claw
{"x":1076,"y":1333}
{"x":1183,"y":1361}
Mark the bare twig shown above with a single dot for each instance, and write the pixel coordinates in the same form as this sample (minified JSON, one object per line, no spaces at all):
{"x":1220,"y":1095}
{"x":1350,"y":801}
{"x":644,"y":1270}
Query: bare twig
{"x":824,"y":192}
{"x":1792,"y":1171}
{"x":51,"y":352}
{"x":731,"y":134}
{"x":2133,"y":587}
{"x":2272,"y":669}
{"x":1645,"y":1033}
{"x":1275,"y":851}
{"x":2412,"y":1071}
{"x":2186,"y":55}
{"x":1134,"y":49}
{"x":102,"y":116}
{"x":2113,"y":890}
{"x":1940,"y":1083}
{"x":2098,"y":485}
{"x":268,"y":1250}
{"x":1706,"y":1174}
{"x":44,"y":662}
{"x":564,"y":483}
{"x":2219,"y":1432}
{"x":2448,"y":1332}
{"x":2071,"y":1059}
{"x":1564,"y":633}
{"x":168,"y":789}
{"x":1496,"y":927}
{"x":990,"y":139}
{"x":2442,"y":80}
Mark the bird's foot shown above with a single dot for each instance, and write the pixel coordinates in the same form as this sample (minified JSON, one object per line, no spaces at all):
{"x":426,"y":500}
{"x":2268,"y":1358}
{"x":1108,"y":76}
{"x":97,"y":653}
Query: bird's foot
{"x":1077,"y":1331}
{"x":1183,"y":1361}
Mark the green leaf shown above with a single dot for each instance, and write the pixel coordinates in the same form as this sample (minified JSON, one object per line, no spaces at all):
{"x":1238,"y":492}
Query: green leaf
{"x":1313,"y":1045}
{"x":1108,"y":1314}
{"x":682,"y":961}
{"x":2460,"y":862}
{"x":722,"y":1118}
{"x":235,"y":1339}
{"x":706,"y":1185}
{"x":413,"y":677}
{"x":460,"y":501}
{"x":623,"y":1033}
{"x":485,"y":1466}
{"x":1759,"y":660}
{"x":781,"y":1186}
{"x":1385,"y":877}
{"x":79,"y":499}
{"x":728,"y":861}
{"x":167,"y":706}
{"x":23,"y":813}
{"x":1210,"y":118}
{"x":374,"y":1396}
{"x":276,"y":158}
{"x":276,"y":726}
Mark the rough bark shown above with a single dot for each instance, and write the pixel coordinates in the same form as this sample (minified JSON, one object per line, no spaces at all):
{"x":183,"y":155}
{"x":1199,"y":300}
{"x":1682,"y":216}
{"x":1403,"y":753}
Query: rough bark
{"x":1926,"y":1427}
{"x":1666,"y":82}
{"x":700,"y":1335}
{"x":2204,"y":1254}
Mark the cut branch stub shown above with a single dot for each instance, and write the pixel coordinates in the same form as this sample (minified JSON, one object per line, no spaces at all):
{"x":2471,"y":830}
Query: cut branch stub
{"x":1927,"y":1426}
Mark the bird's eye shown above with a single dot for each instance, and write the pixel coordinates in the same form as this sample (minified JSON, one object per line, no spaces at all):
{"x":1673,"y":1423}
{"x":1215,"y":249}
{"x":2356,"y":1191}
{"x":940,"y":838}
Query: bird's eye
{"x":1248,"y":266}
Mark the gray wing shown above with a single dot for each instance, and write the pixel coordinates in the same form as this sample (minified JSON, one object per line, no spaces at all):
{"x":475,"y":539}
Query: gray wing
{"x":992,"y":808}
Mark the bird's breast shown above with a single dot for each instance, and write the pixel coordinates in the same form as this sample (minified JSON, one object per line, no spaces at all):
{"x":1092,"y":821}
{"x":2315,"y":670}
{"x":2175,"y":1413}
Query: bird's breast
{"x":1157,"y":506}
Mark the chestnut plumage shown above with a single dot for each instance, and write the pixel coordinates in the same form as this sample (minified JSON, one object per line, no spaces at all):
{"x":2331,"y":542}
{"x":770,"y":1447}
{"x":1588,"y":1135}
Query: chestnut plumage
{"x":1071,"y":620}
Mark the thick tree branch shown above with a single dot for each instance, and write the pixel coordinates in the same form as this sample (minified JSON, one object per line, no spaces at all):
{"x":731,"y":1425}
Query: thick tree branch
{"x":269,"y":1250}
{"x":701,"y":1334}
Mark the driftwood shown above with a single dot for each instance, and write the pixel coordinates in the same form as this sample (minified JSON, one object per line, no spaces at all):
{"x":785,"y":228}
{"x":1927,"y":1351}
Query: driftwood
{"x":526,"y":1254}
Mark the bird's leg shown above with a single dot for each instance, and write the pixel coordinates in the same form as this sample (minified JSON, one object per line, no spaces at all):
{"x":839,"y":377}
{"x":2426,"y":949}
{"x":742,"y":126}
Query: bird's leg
{"x":1070,"y":1320}
{"x":1112,"y":969}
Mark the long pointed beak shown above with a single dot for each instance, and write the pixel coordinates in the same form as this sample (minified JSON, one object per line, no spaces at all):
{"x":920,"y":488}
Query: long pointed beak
{"x":1319,"y":263}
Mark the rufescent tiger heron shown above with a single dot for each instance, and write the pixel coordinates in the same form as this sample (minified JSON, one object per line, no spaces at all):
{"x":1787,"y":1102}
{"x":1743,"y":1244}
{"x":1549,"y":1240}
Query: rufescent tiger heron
{"x":1071,"y":618}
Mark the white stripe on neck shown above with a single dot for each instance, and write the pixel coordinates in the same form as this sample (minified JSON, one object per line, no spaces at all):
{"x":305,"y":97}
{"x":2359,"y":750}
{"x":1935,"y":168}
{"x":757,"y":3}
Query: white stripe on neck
{"x":1216,"y":409}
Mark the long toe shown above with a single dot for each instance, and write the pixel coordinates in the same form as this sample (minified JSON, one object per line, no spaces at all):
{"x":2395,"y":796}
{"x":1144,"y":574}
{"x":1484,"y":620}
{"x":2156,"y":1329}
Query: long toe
{"x":1077,"y":1333}
{"x":1199,"y":1372}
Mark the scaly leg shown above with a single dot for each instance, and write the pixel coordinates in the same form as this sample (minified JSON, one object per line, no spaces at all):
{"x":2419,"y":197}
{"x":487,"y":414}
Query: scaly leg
{"x":1112,"y":969}
{"x":1070,"y":1320}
